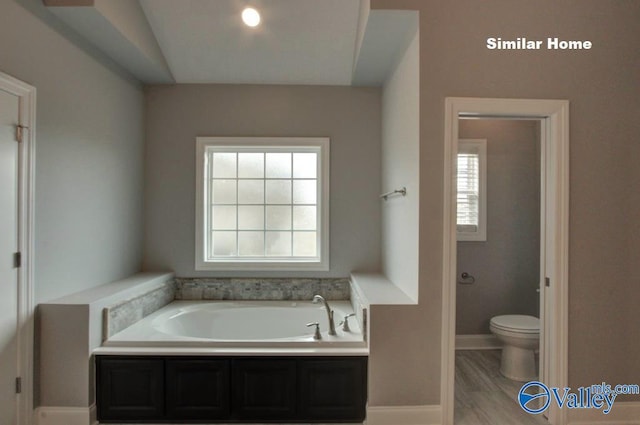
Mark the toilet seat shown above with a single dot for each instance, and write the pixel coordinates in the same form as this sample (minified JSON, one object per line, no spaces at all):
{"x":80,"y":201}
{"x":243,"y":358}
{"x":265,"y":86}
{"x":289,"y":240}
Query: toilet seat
{"x":517,"y":323}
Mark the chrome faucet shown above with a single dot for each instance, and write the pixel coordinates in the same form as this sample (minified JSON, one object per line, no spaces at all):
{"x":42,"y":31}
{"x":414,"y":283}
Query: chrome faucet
{"x":332,"y":326}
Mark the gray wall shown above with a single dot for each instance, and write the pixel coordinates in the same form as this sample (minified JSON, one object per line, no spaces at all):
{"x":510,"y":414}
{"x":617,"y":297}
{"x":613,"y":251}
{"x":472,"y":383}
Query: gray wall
{"x":177,"y":114}
{"x":602,"y":85}
{"x":390,"y":369}
{"x":401,"y":168}
{"x":89,"y":153}
{"x":506,"y":266}
{"x":630,"y":345}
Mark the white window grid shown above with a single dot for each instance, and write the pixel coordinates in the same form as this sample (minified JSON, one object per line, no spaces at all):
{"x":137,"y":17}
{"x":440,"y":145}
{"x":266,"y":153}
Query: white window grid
{"x":291,"y":230}
{"x":318,"y":145}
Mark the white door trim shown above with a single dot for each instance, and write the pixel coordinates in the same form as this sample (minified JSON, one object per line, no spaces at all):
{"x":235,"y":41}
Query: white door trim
{"x":554,"y":115}
{"x":27,"y":114}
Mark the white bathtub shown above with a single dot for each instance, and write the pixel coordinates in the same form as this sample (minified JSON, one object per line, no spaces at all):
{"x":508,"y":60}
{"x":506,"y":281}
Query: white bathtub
{"x":243,"y":326}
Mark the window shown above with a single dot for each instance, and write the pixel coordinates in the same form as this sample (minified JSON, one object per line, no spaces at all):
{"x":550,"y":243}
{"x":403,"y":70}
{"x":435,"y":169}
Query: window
{"x":262,"y":203}
{"x":472,"y":189}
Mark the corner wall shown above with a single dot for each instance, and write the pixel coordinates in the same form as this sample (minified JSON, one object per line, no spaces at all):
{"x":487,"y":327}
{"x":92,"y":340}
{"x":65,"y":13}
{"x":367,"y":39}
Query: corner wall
{"x":395,"y":330}
{"x":400,"y":168}
{"x":89,"y":142}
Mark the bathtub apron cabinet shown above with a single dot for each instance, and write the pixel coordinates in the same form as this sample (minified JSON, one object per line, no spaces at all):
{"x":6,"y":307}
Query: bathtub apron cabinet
{"x":197,"y":388}
{"x":139,"y":389}
{"x":130,"y":387}
{"x":264,"y":389}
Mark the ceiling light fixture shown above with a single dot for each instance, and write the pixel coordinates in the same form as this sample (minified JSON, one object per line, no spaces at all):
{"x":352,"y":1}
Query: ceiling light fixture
{"x":250,"y":17}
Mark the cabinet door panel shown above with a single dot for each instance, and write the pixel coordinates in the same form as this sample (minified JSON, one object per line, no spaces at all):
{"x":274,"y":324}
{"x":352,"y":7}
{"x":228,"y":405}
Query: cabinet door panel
{"x":264,"y":389}
{"x":130,"y":388}
{"x":333,"y":389}
{"x":197,"y":389}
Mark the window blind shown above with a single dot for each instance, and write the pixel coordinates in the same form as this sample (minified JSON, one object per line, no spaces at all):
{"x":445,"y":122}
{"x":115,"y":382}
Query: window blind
{"x":468,"y":190}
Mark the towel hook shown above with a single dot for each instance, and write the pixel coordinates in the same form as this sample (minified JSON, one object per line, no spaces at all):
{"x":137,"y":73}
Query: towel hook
{"x":402,"y":191}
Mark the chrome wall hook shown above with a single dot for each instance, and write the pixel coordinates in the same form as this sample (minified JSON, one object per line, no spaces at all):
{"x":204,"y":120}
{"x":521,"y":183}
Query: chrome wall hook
{"x":402,"y":192}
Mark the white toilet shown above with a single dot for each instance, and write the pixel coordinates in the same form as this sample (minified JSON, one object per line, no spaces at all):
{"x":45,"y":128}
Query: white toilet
{"x":520,"y":336}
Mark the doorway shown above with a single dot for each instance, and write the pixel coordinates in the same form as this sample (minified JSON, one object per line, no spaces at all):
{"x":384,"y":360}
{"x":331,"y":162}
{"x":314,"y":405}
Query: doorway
{"x":17,"y":119}
{"x":554,"y":147}
{"x":498,"y":267}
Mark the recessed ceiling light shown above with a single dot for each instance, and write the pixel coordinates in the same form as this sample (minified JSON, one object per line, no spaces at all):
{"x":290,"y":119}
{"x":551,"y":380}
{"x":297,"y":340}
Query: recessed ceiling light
{"x":250,"y":17}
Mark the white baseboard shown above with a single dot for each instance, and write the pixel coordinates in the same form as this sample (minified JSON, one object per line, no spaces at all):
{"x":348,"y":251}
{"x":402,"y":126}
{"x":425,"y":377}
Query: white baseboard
{"x":376,"y":415}
{"x":48,"y":415}
{"x":477,"y":342}
{"x":622,"y":413}
{"x":404,"y":415}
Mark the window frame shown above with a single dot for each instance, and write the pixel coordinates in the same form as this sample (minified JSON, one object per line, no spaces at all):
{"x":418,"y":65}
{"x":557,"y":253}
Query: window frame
{"x":318,"y":263}
{"x":480,"y":234}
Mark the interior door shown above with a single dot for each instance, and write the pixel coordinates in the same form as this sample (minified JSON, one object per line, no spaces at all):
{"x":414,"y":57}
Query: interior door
{"x":9,"y":109}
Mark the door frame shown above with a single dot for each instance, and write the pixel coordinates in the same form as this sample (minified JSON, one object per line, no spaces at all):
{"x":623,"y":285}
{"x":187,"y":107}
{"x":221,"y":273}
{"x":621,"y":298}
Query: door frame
{"x":554,"y":117}
{"x":26,"y":190}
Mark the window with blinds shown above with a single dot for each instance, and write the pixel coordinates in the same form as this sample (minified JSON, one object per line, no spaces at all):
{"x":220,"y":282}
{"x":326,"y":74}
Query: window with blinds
{"x":471,"y":193}
{"x":263,"y":203}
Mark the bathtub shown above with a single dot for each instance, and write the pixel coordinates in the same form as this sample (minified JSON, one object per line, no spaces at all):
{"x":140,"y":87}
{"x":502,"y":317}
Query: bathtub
{"x":244,"y":327}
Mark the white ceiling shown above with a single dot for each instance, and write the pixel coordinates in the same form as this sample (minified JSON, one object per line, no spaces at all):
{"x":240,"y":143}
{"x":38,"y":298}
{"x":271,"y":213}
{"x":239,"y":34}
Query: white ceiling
{"x":320,"y":42}
{"x":297,"y":42}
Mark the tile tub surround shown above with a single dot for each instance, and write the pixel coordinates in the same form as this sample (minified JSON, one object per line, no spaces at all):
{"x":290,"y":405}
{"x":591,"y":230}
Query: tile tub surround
{"x":273,"y":289}
{"x":124,"y":314}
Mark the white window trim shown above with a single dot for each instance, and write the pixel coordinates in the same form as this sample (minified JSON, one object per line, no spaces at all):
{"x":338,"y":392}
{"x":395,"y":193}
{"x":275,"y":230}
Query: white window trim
{"x":292,"y":264}
{"x":480,"y":234}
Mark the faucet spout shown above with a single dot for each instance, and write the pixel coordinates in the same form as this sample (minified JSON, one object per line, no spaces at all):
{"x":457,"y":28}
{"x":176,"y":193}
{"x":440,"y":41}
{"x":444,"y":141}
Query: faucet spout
{"x":332,"y":326}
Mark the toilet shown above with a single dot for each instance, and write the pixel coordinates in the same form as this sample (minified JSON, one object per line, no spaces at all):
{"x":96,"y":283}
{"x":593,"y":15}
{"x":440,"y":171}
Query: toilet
{"x":520,"y":336}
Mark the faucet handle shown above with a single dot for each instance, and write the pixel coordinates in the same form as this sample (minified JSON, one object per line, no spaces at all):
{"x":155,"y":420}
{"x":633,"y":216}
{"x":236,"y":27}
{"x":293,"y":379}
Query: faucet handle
{"x":316,"y":334}
{"x":345,"y":322}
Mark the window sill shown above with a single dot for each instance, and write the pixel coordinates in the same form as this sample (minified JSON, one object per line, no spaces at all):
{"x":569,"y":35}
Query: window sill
{"x":262,"y":266}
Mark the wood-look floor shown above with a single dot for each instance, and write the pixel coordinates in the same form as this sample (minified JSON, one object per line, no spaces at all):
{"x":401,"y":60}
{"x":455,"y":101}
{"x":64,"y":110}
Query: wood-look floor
{"x":483,"y":396}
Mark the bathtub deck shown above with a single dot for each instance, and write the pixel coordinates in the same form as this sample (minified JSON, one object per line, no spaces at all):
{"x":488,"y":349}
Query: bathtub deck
{"x":238,"y":328}
{"x":360,"y":350}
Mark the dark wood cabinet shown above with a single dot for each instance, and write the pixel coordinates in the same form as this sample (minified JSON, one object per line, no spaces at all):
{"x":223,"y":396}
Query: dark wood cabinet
{"x":332,"y":389}
{"x":140,"y":389}
{"x":197,"y":388}
{"x":130,"y":387}
{"x":264,"y":389}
